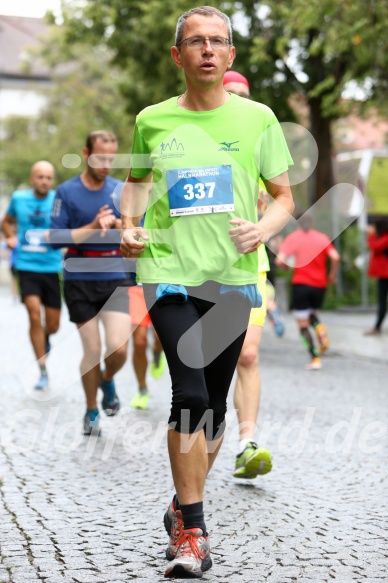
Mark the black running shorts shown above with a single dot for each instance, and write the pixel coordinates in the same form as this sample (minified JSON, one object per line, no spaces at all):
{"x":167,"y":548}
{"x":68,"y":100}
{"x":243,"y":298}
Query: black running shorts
{"x":45,"y":285}
{"x":305,"y":297}
{"x":85,"y":299}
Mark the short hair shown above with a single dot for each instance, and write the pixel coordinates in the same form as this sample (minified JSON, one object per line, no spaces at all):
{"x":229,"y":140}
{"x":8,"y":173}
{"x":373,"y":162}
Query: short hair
{"x":381,"y":226}
{"x":103,"y":135}
{"x":203,"y":11}
{"x":306,"y":221}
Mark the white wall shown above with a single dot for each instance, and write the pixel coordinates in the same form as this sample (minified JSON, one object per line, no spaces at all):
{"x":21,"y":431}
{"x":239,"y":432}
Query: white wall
{"x":18,"y":97}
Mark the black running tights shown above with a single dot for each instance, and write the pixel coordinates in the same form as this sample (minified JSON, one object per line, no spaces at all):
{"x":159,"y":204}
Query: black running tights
{"x":202,"y":340}
{"x":382,"y":297}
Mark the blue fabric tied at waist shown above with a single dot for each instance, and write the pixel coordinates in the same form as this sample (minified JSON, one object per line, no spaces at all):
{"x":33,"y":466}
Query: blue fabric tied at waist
{"x":249,"y":291}
{"x":167,"y":290}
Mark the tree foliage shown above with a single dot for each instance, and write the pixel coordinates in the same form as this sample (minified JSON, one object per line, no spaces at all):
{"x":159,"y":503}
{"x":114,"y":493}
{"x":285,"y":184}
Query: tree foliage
{"x":84,"y":97}
{"x":315,"y":50}
{"x":139,"y":35}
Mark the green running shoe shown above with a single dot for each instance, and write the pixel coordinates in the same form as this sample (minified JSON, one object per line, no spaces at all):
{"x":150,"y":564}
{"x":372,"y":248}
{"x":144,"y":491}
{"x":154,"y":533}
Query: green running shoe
{"x":158,"y":370}
{"x":140,"y":400}
{"x":253,"y":461}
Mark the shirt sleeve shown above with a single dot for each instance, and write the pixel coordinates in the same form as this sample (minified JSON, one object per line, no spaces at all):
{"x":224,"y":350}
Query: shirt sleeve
{"x":329,"y":246}
{"x":272,"y":151}
{"x":60,"y":234}
{"x":287,"y":247}
{"x":11,"y":211}
{"x":378,"y":244}
{"x":140,"y":161}
{"x":116,"y":197}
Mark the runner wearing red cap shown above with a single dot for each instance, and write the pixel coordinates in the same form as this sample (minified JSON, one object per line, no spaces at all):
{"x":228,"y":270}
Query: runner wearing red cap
{"x":251,"y":460}
{"x":236,"y":83}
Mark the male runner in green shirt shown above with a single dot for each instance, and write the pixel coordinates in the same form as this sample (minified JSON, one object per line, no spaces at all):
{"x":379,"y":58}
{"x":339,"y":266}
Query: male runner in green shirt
{"x":204,"y":151}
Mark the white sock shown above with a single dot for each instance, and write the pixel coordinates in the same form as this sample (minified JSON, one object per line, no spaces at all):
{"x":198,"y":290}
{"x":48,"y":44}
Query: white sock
{"x":244,"y":443}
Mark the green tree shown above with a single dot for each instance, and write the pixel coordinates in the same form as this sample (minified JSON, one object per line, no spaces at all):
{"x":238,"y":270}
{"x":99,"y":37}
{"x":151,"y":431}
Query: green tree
{"x":139,"y":35}
{"x":18,"y":153}
{"x":84,"y":97}
{"x":315,"y":49}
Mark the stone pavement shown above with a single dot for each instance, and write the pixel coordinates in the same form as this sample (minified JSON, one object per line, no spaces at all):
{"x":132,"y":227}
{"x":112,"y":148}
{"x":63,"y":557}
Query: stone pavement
{"x":89,"y":510}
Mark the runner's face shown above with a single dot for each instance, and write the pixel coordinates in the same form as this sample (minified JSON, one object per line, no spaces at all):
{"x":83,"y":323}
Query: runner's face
{"x":204,"y":66}
{"x":100,"y":160}
{"x":42,"y":178}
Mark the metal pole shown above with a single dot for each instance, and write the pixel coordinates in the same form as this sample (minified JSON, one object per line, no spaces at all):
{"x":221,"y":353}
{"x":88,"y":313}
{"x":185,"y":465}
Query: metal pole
{"x":362,"y":222}
{"x":339,"y":288}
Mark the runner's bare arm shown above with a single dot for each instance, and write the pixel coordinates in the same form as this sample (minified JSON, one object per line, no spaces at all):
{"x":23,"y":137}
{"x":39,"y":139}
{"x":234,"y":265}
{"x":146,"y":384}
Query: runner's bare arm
{"x":334,"y":257}
{"x":104,"y":219}
{"x":280,"y":260}
{"x":133,"y":205}
{"x":248,"y":236}
{"x":8,"y":228}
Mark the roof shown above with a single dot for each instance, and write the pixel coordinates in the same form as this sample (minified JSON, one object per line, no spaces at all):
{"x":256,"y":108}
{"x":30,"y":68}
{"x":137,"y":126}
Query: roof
{"x":17,"y":35}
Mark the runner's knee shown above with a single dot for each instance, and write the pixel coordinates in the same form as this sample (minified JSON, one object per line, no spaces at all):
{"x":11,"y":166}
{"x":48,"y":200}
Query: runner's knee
{"x":218,"y":427}
{"x":52,"y":327}
{"x":196,"y":416}
{"x":140,"y":342}
{"x":92,"y":354}
{"x":249,"y":357}
{"x":35,"y":318}
{"x":187,"y":412}
{"x":121,"y":351}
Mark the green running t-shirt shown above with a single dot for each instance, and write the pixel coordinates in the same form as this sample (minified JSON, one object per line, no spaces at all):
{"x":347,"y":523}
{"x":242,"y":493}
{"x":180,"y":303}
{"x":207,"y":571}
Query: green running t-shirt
{"x":199,"y":158}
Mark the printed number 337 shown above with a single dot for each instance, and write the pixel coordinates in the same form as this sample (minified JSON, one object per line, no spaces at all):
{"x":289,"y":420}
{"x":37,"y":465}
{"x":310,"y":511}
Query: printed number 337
{"x":198,"y":190}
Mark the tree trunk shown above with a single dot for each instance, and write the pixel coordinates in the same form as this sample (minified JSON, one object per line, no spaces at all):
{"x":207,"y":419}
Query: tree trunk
{"x":322,"y":178}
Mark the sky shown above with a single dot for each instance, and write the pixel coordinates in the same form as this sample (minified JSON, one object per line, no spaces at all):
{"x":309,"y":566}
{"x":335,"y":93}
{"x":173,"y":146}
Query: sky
{"x":35,"y":8}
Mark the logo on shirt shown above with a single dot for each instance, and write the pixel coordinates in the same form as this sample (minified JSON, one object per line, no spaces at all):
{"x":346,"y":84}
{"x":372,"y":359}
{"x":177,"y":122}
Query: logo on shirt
{"x":227,"y":147}
{"x":56,"y":211}
{"x":38,"y":219}
{"x":172,"y":149}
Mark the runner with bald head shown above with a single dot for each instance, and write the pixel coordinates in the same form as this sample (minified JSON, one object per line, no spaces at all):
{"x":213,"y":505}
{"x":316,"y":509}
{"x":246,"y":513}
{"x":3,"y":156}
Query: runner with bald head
{"x":41,"y":173}
{"x":25,"y":227}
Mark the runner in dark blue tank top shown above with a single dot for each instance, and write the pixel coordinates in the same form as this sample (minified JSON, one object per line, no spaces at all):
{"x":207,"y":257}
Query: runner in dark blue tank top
{"x":86,"y":221}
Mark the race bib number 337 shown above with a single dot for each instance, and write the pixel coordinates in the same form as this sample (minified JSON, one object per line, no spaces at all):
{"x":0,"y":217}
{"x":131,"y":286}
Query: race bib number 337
{"x":198,"y":191}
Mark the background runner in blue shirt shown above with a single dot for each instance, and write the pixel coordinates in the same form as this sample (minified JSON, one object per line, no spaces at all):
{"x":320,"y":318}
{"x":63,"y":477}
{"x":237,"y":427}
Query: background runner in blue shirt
{"x":25,"y":227}
{"x":86,"y":221}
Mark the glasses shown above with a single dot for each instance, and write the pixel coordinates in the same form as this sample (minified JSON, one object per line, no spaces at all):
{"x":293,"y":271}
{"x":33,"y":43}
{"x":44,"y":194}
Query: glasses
{"x":101,"y":161}
{"x":197,"y":42}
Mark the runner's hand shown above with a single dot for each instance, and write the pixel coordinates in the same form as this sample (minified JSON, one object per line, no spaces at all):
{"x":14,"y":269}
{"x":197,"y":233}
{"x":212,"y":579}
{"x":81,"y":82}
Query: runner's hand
{"x":245,"y":236}
{"x":104,"y":219}
{"x":131,"y":247}
{"x":11,"y":242}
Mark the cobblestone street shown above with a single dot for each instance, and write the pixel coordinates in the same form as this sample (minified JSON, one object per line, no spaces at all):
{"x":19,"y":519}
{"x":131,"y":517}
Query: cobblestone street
{"x":90,"y":510}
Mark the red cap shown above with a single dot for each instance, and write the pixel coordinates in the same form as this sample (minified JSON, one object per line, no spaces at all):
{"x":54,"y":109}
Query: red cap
{"x":234,"y":77}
